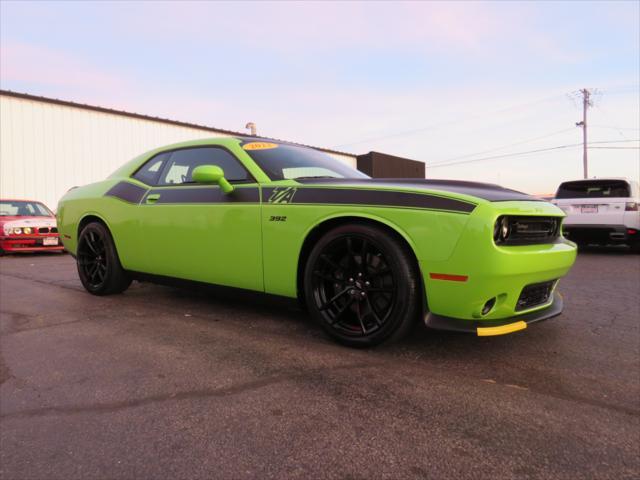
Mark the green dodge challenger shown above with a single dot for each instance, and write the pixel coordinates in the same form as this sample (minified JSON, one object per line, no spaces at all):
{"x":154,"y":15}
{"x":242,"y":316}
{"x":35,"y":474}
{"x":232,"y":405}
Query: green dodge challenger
{"x":366,"y":256}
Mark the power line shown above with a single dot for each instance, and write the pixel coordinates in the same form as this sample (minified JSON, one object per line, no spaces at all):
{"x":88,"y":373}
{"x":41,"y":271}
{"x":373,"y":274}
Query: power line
{"x":451,"y":122}
{"x":517,"y":154}
{"x":509,"y":145}
{"x":618,"y":148}
{"x":614,"y":127}
{"x":617,"y":141}
{"x":623,"y":89}
{"x":437,"y":165}
{"x":467,"y":117}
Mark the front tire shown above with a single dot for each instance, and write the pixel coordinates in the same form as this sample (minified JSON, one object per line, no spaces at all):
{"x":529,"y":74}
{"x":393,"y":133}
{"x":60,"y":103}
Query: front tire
{"x":362,"y":285}
{"x":98,"y":264}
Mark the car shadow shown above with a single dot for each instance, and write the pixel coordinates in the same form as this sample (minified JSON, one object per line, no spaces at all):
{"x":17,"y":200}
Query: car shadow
{"x":421,"y":343}
{"x":607,"y":249}
{"x":32,"y":255}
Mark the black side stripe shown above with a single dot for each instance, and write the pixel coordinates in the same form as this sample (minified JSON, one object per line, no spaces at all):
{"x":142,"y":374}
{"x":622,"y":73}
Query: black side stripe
{"x":381,"y":198}
{"x":131,"y":193}
{"x":205,"y":195}
{"x":127,"y":191}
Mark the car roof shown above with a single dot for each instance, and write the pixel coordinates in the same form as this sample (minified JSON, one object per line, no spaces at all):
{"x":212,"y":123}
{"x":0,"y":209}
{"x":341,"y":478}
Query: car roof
{"x":224,"y":141}
{"x":598,"y":178}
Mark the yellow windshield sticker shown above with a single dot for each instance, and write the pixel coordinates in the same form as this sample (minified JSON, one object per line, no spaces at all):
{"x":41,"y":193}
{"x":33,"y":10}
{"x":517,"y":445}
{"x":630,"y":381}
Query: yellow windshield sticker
{"x":259,"y":146}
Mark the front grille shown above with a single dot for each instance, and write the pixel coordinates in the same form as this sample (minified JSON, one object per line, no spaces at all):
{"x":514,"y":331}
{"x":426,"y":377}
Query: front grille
{"x":535,"y":295}
{"x":43,"y":230}
{"x":516,"y":230}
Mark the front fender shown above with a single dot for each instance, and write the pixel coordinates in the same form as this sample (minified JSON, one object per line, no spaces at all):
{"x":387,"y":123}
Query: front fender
{"x":358,"y":215}
{"x":431,"y":235}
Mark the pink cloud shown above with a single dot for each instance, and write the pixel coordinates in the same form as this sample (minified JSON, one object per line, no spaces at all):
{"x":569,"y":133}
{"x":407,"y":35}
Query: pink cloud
{"x":38,"y":64}
{"x":297,"y":26}
{"x":58,"y":74}
{"x":476,"y":29}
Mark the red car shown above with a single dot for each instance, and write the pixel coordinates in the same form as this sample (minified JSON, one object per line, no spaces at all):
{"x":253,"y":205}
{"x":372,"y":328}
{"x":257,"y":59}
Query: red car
{"x":27,"y":226}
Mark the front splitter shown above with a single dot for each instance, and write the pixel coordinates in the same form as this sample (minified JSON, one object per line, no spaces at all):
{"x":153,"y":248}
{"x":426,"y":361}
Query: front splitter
{"x":495,"y":327}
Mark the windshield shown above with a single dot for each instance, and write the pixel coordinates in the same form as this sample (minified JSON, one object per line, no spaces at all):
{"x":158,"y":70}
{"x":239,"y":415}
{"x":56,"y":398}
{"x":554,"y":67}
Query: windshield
{"x":282,"y":162}
{"x":594,"y":189}
{"x":23,"y":209}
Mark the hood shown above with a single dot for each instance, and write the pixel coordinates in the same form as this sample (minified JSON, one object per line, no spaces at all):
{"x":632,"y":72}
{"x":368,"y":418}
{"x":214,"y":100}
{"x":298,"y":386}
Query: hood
{"x":485,"y":191}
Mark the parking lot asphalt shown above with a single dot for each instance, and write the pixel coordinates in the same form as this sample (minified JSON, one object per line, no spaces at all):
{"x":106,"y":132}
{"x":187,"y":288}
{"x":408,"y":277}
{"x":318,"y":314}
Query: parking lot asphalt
{"x":162,"y":382}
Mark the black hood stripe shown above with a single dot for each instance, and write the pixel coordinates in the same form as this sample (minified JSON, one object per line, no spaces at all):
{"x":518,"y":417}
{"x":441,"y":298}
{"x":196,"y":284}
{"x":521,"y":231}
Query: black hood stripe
{"x":485,"y":191}
{"x":127,"y":192}
{"x":378,"y":198}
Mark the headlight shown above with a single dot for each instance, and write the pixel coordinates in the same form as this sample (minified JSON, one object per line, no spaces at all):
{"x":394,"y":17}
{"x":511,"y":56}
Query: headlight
{"x":17,"y":231}
{"x":27,"y":230}
{"x":501,"y":229}
{"x":504,"y":228}
{"x":525,"y":230}
{"x":8,"y":230}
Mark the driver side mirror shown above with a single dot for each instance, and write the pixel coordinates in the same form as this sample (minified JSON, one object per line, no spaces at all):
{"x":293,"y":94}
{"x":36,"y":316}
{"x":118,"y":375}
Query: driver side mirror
{"x":208,"y":174}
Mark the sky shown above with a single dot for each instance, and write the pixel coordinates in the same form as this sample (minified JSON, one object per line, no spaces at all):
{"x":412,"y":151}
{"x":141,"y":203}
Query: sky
{"x":453,"y":84}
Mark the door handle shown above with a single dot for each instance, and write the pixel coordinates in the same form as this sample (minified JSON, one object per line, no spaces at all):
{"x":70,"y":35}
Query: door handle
{"x":153,"y":198}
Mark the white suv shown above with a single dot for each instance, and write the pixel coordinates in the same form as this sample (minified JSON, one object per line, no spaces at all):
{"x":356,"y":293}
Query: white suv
{"x":601,"y":211}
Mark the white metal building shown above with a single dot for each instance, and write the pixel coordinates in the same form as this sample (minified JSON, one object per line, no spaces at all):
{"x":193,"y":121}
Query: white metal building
{"x":48,"y":146}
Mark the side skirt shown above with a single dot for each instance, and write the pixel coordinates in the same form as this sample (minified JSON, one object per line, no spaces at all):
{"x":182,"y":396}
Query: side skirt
{"x":224,"y":292}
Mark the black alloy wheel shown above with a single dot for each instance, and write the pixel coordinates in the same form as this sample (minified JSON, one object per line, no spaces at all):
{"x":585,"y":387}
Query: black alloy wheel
{"x":362,"y":285}
{"x":99,"y":268}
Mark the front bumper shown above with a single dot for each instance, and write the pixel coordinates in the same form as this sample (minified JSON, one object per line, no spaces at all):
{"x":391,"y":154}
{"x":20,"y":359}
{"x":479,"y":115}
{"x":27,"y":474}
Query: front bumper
{"x":484,"y":282}
{"x":33,"y":243}
{"x":495,"y":278}
{"x":484,"y":328}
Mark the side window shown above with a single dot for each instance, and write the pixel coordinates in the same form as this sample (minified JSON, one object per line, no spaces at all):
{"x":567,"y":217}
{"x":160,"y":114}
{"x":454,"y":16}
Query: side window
{"x":150,"y":171}
{"x":179,"y":168}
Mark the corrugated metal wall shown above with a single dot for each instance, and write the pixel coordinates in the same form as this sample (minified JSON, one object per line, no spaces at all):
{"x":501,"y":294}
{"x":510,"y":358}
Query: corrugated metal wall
{"x":47,"y":148}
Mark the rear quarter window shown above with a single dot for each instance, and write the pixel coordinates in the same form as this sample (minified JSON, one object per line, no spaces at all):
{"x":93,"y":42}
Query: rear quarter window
{"x":150,"y":171}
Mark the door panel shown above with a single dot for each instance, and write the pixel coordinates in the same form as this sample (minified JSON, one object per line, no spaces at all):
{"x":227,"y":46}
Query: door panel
{"x":195,"y":231}
{"x":199,"y":233}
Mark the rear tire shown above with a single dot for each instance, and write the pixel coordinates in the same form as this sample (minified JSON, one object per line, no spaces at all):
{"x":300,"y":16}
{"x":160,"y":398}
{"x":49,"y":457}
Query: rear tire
{"x":362,"y":285}
{"x":98,"y":264}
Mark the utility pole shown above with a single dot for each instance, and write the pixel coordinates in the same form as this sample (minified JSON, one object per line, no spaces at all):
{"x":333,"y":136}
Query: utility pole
{"x":586,"y":103}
